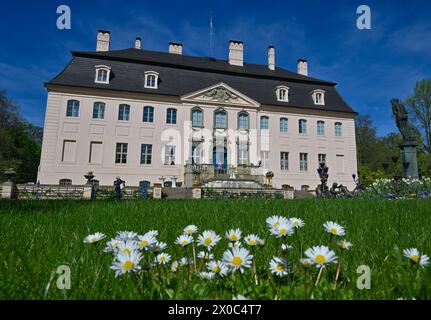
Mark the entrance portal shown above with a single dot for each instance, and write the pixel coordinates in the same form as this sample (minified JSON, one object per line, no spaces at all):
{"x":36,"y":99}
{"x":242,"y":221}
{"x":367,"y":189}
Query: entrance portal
{"x":220,"y":160}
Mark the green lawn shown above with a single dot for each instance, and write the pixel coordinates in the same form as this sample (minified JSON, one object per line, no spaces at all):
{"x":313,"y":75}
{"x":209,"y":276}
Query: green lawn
{"x":39,"y":236}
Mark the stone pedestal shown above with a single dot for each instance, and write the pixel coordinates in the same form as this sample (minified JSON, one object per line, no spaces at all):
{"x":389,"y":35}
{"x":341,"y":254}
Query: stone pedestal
{"x":157,"y":191}
{"x":288,"y":192}
{"x":197,"y":193}
{"x":87,"y":192}
{"x":7,"y":190}
{"x":408,"y":154}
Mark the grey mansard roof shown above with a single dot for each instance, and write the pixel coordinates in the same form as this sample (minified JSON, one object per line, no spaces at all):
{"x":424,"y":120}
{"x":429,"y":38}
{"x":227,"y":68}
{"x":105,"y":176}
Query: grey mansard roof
{"x":181,"y":74}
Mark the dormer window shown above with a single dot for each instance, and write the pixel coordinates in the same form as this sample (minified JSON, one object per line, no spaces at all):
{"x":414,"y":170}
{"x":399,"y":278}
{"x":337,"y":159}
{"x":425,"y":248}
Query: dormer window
{"x":102,"y":74}
{"x":151,"y":79}
{"x":282,"y":93}
{"x":319,"y":97}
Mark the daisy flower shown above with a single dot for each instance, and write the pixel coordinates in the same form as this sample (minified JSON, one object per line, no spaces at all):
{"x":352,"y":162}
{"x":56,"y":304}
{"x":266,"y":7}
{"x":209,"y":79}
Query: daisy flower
{"x":158,"y":246}
{"x":205,"y":255}
{"x":206,"y":275}
{"x":126,"y":262}
{"x":334,"y":228}
{"x":184,"y":240}
{"x":93,"y":238}
{"x":320,"y":256}
{"x":233,"y":235}
{"x":275,"y":221}
{"x":285,"y":247}
{"x":163,"y":258}
{"x":208,"y":239}
{"x":112,"y":245}
{"x":174,"y":266}
{"x":128,"y":246}
{"x":252,"y":240}
{"x":152,"y":233}
{"x":127,"y":235}
{"x":218,"y":267}
{"x":184,"y":261}
{"x":238,"y":258}
{"x":232,"y":245}
{"x":191,"y":229}
{"x":278,"y":266}
{"x":296,"y":222}
{"x":344,"y":244}
{"x":283,"y":230}
{"x":146,"y":241}
{"x":416,"y":257}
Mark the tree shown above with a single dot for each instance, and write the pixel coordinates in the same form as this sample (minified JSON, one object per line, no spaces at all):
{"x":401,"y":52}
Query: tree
{"x":419,"y":105}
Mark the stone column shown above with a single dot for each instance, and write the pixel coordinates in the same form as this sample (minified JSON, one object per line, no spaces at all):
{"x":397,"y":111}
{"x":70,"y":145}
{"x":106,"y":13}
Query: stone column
{"x":157,"y":191}
{"x":188,"y":175}
{"x":408,"y":154}
{"x":87,"y":192}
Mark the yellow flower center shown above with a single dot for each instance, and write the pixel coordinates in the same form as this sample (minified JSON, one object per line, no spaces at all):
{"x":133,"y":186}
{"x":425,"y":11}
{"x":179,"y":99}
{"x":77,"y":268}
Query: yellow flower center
{"x":208,"y":241}
{"x":280,"y":267}
{"x":320,"y":259}
{"x":144,"y":243}
{"x":333,"y":230}
{"x":189,"y":231}
{"x":283,"y":231}
{"x":116,"y":243}
{"x":184,"y":242}
{"x":127,"y":250}
{"x":296,"y":223}
{"x":234,"y":237}
{"x":216,"y":269}
{"x":344,"y":245}
{"x":162,"y":259}
{"x":277,"y":224}
{"x":236,"y":261}
{"x":415,"y":258}
{"x":128,"y":265}
{"x":251,"y":242}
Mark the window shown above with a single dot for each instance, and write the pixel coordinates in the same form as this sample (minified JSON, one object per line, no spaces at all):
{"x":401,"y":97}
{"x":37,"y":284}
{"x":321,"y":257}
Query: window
{"x":284,"y":161}
{"x":264,"y":123}
{"x":102,"y":74}
{"x":69,"y":151}
{"x":72,"y":108}
{"x":220,"y":119}
{"x":171,"y":116}
{"x":303,"y":162}
{"x":243,"y":153}
{"x":282,"y":93}
{"x":148,"y":114}
{"x":196,"y":153}
{"x":124,"y":112}
{"x":146,"y":153}
{"x":65,"y":182}
{"x":121,"y":153}
{"x":320,"y":128}
{"x":99,"y":110}
{"x":96,"y":152}
{"x":318,"y":97}
{"x":302,"y":126}
{"x":264,"y":158}
{"x":283,"y":124}
{"x":338,"y":129}
{"x":321,"y":158}
{"x":243,"y":121}
{"x":197,"y":117}
{"x":170,"y":155}
{"x":151,"y":79}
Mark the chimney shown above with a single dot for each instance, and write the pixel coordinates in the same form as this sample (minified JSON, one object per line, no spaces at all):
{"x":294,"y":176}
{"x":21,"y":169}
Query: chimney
{"x":236,"y":53}
{"x":103,"y":40}
{"x":176,"y":48}
{"x":303,"y":67}
{"x":271,"y":57}
{"x":138,"y":43}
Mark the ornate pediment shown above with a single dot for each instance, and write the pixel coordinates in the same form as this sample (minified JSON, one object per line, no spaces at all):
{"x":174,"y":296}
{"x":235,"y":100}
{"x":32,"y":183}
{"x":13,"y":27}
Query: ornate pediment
{"x":220,"y":94}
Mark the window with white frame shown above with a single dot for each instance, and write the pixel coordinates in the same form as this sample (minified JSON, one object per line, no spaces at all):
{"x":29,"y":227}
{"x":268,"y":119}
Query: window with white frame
{"x":151,"y":79}
{"x":243,"y":121}
{"x":197,"y":117}
{"x":284,"y":161}
{"x":196,"y":153}
{"x":146,"y":153}
{"x":318,"y":97}
{"x":148,"y":114}
{"x":302,"y":126}
{"x":320,"y":128}
{"x":99,"y":110}
{"x":243,"y":153}
{"x":220,"y":119}
{"x":321,"y":158}
{"x":124,"y":112}
{"x":121,"y":153}
{"x":169,"y":155}
{"x":102,"y":74}
{"x":264,"y":158}
{"x":303,"y":162}
{"x":171,"y":116}
{"x":264,"y":123}
{"x":282,"y":93}
{"x":72,"y":108}
{"x":338,"y":129}
{"x":284,"y":125}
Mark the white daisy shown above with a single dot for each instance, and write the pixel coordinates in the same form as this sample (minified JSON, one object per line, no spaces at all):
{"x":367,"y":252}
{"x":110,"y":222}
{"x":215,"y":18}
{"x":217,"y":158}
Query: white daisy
{"x":127,"y":246}
{"x":278,"y":266}
{"x":233,"y":235}
{"x":174,"y":266}
{"x":286,"y":247}
{"x":320,"y":256}
{"x":208,"y":239}
{"x":126,"y":262}
{"x":184,"y":240}
{"x":206,"y":275}
{"x":334,"y":228}
{"x":184,"y":261}
{"x":158,"y":246}
{"x":112,"y":245}
{"x":191,"y":229}
{"x":146,"y":241}
{"x":218,"y":267}
{"x":252,"y":240}
{"x":283,"y":230}
{"x":344,"y":244}
{"x":238,"y":258}
{"x":236,"y":244}
{"x":127,"y":235}
{"x":205,"y":255}
{"x":163,"y":258}
{"x":296,"y":222}
{"x":93,"y":238}
{"x":275,"y":221}
{"x":416,"y":257}
{"x":152,"y":233}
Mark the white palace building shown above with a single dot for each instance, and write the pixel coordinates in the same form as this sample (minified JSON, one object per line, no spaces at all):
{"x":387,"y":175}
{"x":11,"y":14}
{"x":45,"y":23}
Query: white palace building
{"x":143,"y":115}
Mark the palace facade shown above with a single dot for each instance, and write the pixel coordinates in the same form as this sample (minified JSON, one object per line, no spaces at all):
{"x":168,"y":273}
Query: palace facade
{"x":142,"y":115}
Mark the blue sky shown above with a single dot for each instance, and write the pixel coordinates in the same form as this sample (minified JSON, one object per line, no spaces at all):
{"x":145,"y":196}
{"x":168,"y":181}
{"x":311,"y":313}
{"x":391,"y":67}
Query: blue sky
{"x":370,"y":66}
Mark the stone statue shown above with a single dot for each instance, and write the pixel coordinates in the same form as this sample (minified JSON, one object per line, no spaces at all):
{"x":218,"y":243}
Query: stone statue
{"x":402,"y":120}
{"x":221,"y":94}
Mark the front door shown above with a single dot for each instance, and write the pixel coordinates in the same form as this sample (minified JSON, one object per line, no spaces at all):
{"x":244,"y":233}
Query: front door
{"x":220,"y":160}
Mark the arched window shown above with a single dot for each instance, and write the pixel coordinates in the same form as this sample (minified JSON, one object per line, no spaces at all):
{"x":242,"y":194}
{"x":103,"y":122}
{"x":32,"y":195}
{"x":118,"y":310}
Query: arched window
{"x":99,"y":110}
{"x":318,"y":97}
{"x":171,"y":116}
{"x":151,"y":79}
{"x":282,"y":93}
{"x":264,"y":123}
{"x":320,"y":128}
{"x":148,"y":114}
{"x":102,"y":74}
{"x":65,"y":182}
{"x":338,"y":129}
{"x":72,"y":108}
{"x":243,"y":121}
{"x":220,"y":119}
{"x":302,"y":126}
{"x":124,"y":112}
{"x":197,"y":117}
{"x":283,"y":125}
